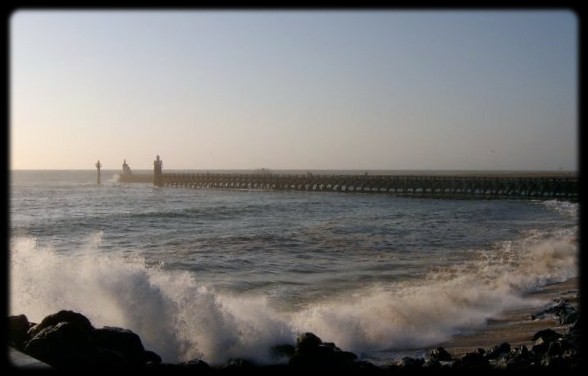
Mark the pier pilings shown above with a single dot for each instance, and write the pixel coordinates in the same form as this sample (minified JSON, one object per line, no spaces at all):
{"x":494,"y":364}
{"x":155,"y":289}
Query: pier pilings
{"x":401,"y":185}
{"x":529,"y":185}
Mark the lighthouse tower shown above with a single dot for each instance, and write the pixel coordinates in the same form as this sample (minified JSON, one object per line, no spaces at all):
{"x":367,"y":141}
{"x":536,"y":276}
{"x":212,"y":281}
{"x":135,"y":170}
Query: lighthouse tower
{"x":157,"y":179}
{"x":98,"y":165}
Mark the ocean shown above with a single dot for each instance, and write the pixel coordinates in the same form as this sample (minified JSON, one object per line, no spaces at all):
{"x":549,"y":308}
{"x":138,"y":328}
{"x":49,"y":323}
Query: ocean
{"x":217,"y":274}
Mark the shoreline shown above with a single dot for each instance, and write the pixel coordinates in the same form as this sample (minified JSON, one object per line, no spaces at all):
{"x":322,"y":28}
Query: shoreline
{"x":525,"y":338}
{"x":516,"y":326}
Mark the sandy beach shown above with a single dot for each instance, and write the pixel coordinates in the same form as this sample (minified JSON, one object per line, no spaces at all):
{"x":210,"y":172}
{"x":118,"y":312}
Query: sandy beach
{"x":516,"y":327}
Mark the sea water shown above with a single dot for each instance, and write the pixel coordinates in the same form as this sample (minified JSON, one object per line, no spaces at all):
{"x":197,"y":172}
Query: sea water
{"x":217,"y":274}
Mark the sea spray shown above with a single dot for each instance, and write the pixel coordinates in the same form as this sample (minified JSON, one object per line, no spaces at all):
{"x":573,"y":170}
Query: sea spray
{"x":110,"y":291}
{"x":450,"y":301}
{"x":182,"y":318}
{"x":567,"y":208}
{"x":175,"y":316}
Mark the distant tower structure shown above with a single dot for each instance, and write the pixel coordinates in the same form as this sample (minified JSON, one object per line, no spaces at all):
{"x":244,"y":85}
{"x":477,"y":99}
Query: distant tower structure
{"x":126,"y":169}
{"x":98,"y":165}
{"x":157,"y":180}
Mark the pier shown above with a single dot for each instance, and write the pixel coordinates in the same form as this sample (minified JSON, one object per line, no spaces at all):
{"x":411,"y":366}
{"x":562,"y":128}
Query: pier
{"x":536,"y":185}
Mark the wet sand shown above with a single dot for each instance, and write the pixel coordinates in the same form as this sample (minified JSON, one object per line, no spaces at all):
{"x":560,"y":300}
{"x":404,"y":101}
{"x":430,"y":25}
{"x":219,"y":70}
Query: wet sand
{"x":516,"y":327}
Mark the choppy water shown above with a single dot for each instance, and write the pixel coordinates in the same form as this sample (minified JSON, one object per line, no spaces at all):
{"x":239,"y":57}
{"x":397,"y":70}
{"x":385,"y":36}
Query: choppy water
{"x":215,"y":274}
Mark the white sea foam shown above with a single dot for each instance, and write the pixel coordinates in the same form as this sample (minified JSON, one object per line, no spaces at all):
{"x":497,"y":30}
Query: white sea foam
{"x":567,"y":208}
{"x":447,"y":302}
{"x":176,"y":316}
{"x":182,"y":318}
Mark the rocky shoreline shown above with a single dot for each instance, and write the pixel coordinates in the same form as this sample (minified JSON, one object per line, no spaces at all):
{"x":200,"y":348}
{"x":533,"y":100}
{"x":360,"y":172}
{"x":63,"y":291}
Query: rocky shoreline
{"x":67,"y":340}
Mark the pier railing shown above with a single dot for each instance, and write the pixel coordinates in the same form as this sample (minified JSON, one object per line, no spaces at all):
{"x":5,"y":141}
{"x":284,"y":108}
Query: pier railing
{"x":544,"y":187}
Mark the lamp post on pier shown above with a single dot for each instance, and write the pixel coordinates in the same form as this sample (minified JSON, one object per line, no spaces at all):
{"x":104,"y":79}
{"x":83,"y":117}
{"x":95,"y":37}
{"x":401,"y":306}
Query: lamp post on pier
{"x":98,"y":165}
{"x":157,"y":180}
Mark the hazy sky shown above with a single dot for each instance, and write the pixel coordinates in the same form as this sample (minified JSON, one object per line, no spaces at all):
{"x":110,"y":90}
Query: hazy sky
{"x":491,"y":90}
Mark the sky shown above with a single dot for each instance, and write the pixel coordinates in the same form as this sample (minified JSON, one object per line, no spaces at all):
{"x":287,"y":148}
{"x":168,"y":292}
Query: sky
{"x":296,"y":89}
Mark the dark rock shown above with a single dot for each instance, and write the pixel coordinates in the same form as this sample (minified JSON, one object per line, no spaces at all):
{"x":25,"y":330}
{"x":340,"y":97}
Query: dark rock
{"x":560,"y":348}
{"x":547,"y":335}
{"x":410,"y":363}
{"x":311,"y":352}
{"x":270,"y":369}
{"x":432,"y":363}
{"x":365,"y":366}
{"x":394,"y":367}
{"x":440,"y":354}
{"x":575,"y":329}
{"x":520,"y":358}
{"x":338,"y":355}
{"x":18,"y":327}
{"x":540,"y":346}
{"x":106,"y":359}
{"x":568,"y":317}
{"x":71,"y":317}
{"x":282,"y":351}
{"x":63,"y":344}
{"x":474,"y":360}
{"x":195,"y":366}
{"x":565,"y":312}
{"x":331,"y":345}
{"x":499,"y":351}
{"x":439,"y":358}
{"x":238,"y":364}
{"x":67,"y":340}
{"x":151,"y":357}
{"x":558,"y":363}
{"x":120,"y":340}
{"x":521,"y":350}
{"x":561,"y":354}
{"x":307,"y":342}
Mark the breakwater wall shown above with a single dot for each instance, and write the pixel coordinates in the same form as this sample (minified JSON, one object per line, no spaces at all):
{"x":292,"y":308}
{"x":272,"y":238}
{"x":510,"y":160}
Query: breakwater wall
{"x":525,"y":185}
{"x":547,"y":186}
{"x":429,"y":186}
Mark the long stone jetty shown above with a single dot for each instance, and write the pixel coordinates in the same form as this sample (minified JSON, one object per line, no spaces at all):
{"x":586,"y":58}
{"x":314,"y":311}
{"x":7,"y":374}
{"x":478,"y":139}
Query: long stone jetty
{"x":466,"y":184}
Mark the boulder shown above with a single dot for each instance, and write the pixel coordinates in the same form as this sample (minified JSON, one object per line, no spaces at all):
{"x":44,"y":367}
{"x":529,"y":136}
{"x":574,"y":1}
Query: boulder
{"x":473,"y":360}
{"x":107,"y":360}
{"x":190,"y":367}
{"x":540,"y":346}
{"x":498,"y":351}
{"x":122,"y":341}
{"x":282,"y":351}
{"x":564,"y":311}
{"x":18,"y":327}
{"x":238,"y":365}
{"x":411,"y":363}
{"x":547,"y":335}
{"x":307,"y":343}
{"x":71,"y":317}
{"x":520,"y":358}
{"x":440,"y":354}
{"x":61,"y":345}
{"x":311,"y":352}
{"x":151,"y":357}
